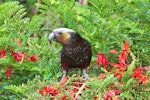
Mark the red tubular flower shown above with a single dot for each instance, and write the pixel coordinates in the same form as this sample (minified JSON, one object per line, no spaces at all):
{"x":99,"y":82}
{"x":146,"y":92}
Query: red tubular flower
{"x":113,"y":51}
{"x":111,"y":94}
{"x":103,"y":60}
{"x":64,"y":80}
{"x":105,"y":63}
{"x":19,"y":56}
{"x":50,"y":90}
{"x":138,"y":73}
{"x":96,"y":98}
{"x":100,"y":58}
{"x":63,"y":98}
{"x":143,"y":80}
{"x":55,"y":92}
{"x":41,"y":91}
{"x":8,"y":72}
{"x":126,"y":46}
{"x":34,"y":58}
{"x":118,"y":76}
{"x":103,"y":77}
{"x":123,"y":59}
{"x":3,"y":53}
{"x":13,"y":53}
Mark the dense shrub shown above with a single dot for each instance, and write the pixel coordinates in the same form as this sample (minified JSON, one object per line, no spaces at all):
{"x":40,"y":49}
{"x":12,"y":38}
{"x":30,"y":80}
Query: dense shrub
{"x":25,"y":52}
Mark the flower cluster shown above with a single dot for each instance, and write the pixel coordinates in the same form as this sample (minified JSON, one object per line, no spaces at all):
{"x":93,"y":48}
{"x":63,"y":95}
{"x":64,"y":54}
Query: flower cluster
{"x":121,"y":68}
{"x":3,"y":53}
{"x":18,"y":57}
{"x":8,"y":72}
{"x":103,"y":60}
{"x":74,"y":92}
{"x":138,"y":74}
{"x":49,"y":90}
{"x":111,"y":95}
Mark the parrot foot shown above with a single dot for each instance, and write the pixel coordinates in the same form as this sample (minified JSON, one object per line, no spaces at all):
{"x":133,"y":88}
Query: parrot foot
{"x":64,"y":75}
{"x":85,"y":75}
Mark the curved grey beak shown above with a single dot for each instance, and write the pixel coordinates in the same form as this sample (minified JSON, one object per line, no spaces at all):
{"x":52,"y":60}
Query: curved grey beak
{"x":51,"y":37}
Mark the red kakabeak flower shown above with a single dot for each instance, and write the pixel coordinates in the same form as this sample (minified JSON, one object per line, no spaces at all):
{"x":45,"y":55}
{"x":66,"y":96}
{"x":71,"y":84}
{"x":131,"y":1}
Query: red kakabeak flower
{"x":103,"y":76}
{"x":143,"y":80}
{"x":42,"y":91}
{"x":113,"y":51}
{"x":50,"y":90}
{"x":96,"y":98}
{"x":118,"y":76}
{"x":17,"y":56}
{"x":100,"y":58}
{"x":138,"y":73}
{"x":63,"y":98}
{"x":126,"y":46}
{"x":103,"y":60}
{"x":123,"y":58}
{"x":8,"y":72}
{"x":3,"y":53}
{"x":64,"y":80}
{"x":34,"y":58}
{"x":111,"y":94}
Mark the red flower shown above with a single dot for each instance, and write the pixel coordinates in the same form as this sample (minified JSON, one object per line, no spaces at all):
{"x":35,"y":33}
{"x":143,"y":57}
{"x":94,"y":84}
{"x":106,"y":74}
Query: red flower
{"x":96,"y":98}
{"x":113,"y":51}
{"x":126,"y":47}
{"x":13,"y":53}
{"x":9,"y":71}
{"x":143,"y":80}
{"x":138,"y":73}
{"x":103,"y":60}
{"x":34,"y":58}
{"x":123,"y":59}
{"x":75,"y":89}
{"x":3,"y":53}
{"x":100,"y":58}
{"x":19,"y":56}
{"x":42,"y":91}
{"x":64,"y":80}
{"x":63,"y":98}
{"x":50,"y":90}
{"x":145,"y":68}
{"x":118,"y":76}
{"x":111,"y":95}
{"x":56,"y":92}
{"x":103,"y":77}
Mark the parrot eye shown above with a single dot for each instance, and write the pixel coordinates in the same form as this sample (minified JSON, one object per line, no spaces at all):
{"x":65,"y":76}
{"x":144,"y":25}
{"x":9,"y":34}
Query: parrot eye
{"x":60,"y":33}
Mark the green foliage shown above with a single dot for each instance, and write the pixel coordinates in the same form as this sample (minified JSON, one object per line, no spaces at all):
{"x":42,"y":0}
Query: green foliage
{"x":105,"y":24}
{"x":16,"y":28}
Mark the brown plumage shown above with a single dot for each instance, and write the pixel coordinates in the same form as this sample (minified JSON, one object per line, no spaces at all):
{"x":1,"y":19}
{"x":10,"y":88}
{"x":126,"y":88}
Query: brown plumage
{"x":76,"y":51}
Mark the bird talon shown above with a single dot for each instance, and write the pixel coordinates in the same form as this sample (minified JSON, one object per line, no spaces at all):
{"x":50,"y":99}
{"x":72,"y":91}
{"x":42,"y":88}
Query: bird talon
{"x":86,"y":77}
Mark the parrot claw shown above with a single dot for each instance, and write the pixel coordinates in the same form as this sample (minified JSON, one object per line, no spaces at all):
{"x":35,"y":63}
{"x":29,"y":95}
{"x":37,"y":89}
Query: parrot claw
{"x":85,"y":75}
{"x":64,"y":75}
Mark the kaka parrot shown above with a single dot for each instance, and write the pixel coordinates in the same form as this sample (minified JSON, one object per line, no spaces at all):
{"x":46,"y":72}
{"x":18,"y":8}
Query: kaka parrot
{"x":76,"y":51}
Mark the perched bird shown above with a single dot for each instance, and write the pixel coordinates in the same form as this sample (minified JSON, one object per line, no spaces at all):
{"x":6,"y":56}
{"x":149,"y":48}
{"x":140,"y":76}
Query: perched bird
{"x":76,"y":51}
